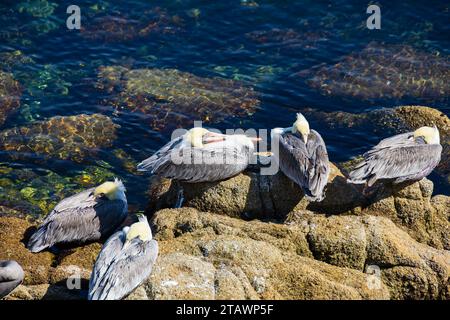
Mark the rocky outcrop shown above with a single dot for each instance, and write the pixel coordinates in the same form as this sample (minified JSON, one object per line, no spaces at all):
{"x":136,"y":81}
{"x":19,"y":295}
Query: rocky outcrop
{"x":250,"y":195}
{"x":257,"y":237}
{"x":310,"y":256}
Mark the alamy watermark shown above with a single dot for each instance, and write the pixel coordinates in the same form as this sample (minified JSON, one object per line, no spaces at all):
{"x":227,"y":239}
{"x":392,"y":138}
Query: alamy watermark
{"x":74,"y":20}
{"x":374,"y":20}
{"x":373,"y":277}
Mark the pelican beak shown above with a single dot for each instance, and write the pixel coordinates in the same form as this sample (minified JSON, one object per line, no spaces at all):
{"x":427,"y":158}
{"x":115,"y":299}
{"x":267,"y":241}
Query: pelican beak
{"x":256,"y":140}
{"x":305,"y":138}
{"x":263,"y":154}
{"x":99,"y":195}
{"x":212,"y":137}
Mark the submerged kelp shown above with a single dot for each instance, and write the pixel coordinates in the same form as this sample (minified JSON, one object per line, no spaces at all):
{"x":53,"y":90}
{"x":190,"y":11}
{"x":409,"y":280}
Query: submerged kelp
{"x":384,"y":71}
{"x":68,"y":138}
{"x":10,"y":93}
{"x":119,"y":27}
{"x":36,"y":192}
{"x":42,"y":13}
{"x":287,"y":38}
{"x":37,"y":8}
{"x":172,"y":98}
{"x":48,"y":80}
{"x":11,"y":59}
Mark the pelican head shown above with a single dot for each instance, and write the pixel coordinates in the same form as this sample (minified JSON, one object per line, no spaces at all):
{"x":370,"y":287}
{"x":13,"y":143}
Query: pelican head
{"x":429,"y":134}
{"x":301,"y":125}
{"x":140,"y":229}
{"x":195,"y":136}
{"x":112,"y":190}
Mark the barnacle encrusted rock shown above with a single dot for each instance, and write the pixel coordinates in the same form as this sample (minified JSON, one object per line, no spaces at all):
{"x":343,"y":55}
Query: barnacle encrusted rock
{"x":311,"y":256}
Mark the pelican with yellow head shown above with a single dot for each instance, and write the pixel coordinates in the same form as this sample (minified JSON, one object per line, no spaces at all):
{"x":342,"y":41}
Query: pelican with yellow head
{"x":84,"y":217}
{"x":201,"y":155}
{"x":302,"y":156}
{"x":125,"y":261}
{"x":408,"y":156}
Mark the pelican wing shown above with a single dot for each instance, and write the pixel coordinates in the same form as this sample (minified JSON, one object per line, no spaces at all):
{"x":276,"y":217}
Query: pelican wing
{"x":307,"y":165}
{"x":161,"y":156}
{"x":78,"y":201}
{"x":11,"y":275}
{"x":400,"y":157}
{"x":78,"y":218}
{"x":319,"y":169}
{"x":213,"y":162}
{"x":127,"y":271}
{"x":110,"y":250}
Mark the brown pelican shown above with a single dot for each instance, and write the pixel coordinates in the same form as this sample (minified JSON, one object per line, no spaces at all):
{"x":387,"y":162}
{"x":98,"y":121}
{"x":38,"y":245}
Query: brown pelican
{"x":403,"y":157}
{"x":303,"y":157}
{"x":201,"y":155}
{"x":11,"y":275}
{"x":124,"y":262}
{"x":86,"y":216}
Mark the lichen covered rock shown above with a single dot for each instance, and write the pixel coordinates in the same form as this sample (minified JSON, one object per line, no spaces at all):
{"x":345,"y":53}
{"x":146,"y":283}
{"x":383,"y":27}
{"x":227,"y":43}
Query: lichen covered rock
{"x":310,"y":257}
{"x":250,"y":195}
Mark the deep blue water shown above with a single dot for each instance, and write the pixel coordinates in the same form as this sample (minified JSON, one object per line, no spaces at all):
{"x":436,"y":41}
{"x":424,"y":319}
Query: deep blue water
{"x":212,"y":39}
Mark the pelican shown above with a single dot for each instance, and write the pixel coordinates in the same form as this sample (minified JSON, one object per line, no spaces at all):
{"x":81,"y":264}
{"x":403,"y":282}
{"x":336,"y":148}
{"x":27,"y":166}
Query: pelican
{"x":201,"y":155}
{"x":11,"y":275}
{"x":303,"y":157}
{"x":87,"y":216}
{"x":124,"y":262}
{"x":404,"y":157}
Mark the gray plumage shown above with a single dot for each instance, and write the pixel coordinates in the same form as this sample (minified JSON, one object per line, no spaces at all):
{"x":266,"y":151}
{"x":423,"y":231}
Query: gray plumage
{"x":79,"y":218}
{"x":401,"y":158}
{"x":305,"y":164}
{"x":229,"y":158}
{"x":11,"y":275}
{"x":121,"y":267}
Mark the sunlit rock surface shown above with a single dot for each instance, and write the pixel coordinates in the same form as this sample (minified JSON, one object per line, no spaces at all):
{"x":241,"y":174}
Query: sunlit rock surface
{"x":171,"y":98}
{"x":312,"y":256}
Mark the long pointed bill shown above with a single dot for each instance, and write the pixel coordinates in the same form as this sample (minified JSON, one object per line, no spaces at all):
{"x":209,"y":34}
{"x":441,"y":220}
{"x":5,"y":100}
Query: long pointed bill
{"x":305,"y":138}
{"x":212,"y":137}
{"x":255,"y":139}
{"x":263,"y":154}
